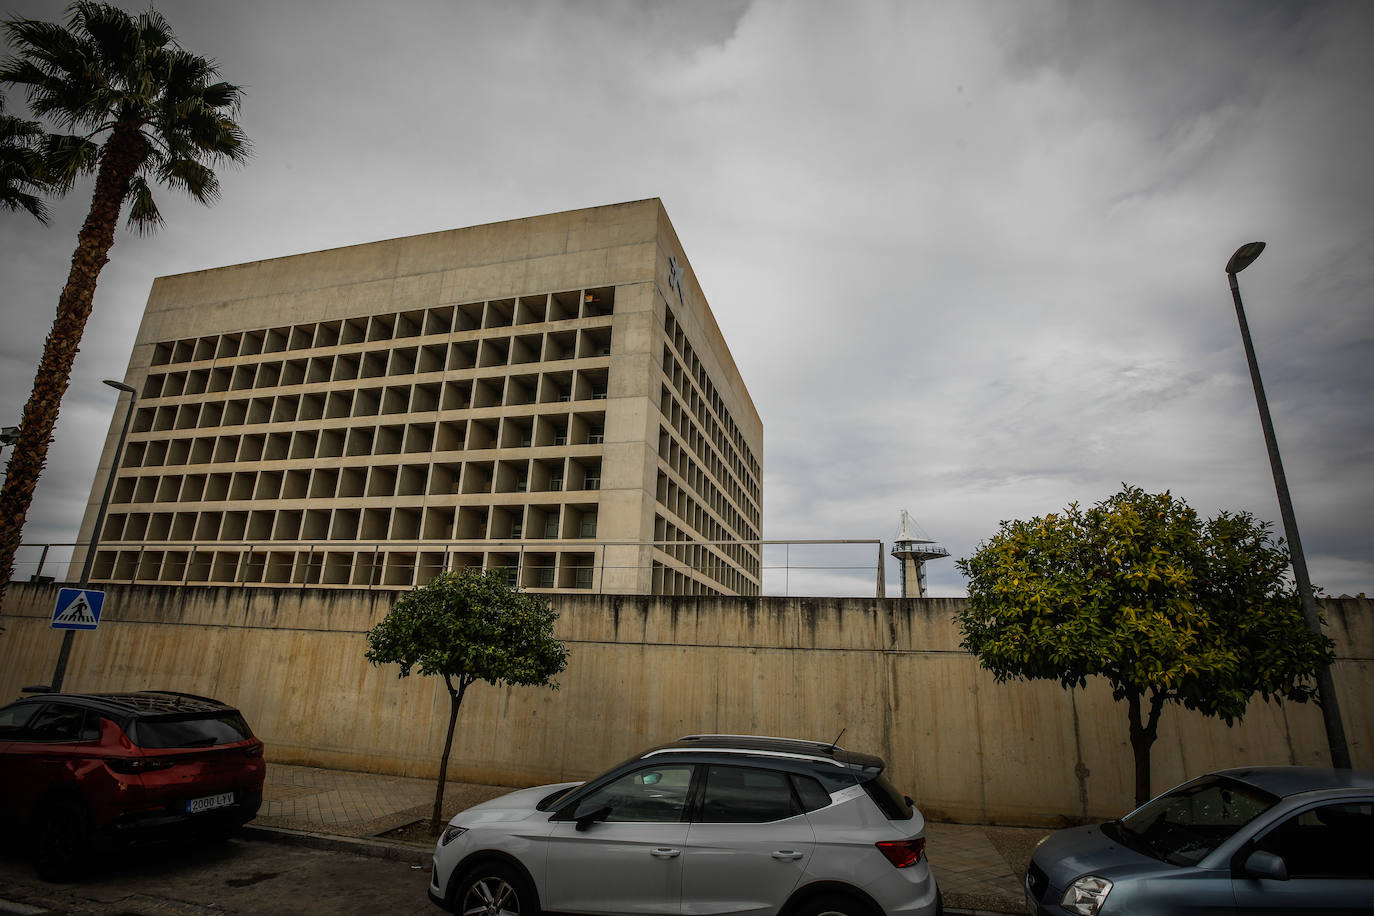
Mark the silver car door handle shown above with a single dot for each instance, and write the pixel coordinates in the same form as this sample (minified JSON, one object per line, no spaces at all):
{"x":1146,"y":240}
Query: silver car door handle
{"x":786,"y":854}
{"x":664,"y":852}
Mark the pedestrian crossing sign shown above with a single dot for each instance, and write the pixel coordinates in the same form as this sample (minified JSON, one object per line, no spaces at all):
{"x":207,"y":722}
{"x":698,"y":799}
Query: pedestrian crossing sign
{"x":77,"y":609}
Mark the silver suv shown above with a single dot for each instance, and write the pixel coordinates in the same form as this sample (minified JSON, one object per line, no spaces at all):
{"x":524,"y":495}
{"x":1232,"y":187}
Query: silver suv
{"x":710,"y":824}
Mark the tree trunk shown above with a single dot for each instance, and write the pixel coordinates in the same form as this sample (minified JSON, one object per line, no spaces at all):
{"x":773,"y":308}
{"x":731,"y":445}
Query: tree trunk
{"x":1143,"y":734}
{"x":125,"y":151}
{"x":455,"y":700}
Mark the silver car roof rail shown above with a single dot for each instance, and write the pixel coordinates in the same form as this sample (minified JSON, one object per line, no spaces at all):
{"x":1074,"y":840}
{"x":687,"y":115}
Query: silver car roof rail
{"x":747,"y":752}
{"x":825,"y":744}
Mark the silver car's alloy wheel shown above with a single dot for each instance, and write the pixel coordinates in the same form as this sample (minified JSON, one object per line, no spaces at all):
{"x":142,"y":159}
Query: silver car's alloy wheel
{"x":490,"y":896}
{"x":835,"y":905}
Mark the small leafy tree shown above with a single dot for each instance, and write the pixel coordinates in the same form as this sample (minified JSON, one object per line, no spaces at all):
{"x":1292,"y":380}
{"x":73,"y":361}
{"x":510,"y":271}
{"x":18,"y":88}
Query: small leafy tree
{"x":468,"y":627}
{"x":1140,"y":591}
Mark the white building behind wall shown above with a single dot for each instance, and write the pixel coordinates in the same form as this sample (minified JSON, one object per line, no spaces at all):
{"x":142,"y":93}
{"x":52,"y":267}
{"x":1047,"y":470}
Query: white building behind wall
{"x":549,"y":395}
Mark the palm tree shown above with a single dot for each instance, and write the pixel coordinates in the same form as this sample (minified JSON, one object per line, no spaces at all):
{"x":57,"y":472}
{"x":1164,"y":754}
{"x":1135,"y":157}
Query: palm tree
{"x":141,"y":110}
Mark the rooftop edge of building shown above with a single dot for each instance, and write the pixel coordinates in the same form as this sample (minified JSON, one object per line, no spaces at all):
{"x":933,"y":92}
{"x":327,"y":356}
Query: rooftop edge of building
{"x":414,"y":237}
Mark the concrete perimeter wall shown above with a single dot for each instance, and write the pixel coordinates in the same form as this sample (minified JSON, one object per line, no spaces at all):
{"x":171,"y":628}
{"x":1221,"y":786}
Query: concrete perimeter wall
{"x":648,"y":670}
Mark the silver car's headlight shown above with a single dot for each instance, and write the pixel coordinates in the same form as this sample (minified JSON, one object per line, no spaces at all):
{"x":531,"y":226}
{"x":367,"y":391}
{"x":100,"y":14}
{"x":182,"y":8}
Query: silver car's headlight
{"x":450,"y":834}
{"x":1086,"y":895}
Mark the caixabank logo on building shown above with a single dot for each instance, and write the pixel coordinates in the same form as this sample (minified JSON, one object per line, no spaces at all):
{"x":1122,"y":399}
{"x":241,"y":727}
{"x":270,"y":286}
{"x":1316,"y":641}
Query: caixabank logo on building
{"x":676,"y":271}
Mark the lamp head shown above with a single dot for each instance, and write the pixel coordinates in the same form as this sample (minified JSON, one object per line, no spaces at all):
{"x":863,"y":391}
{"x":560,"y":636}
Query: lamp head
{"x":1245,"y":256}
{"x":120,"y":385}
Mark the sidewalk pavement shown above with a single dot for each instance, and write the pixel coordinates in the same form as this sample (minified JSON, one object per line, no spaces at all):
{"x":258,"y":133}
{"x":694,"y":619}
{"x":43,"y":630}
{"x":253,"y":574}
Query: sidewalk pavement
{"x":978,"y":866}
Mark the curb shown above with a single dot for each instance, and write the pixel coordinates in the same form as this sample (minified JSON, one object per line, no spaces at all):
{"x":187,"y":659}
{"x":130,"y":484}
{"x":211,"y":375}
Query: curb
{"x":359,"y":846}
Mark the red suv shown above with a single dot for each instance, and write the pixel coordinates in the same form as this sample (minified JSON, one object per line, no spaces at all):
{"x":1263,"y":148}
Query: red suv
{"x":84,"y":769}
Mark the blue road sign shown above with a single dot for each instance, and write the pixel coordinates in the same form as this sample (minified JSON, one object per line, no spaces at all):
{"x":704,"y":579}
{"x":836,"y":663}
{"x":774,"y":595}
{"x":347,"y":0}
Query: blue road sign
{"x":77,"y":609}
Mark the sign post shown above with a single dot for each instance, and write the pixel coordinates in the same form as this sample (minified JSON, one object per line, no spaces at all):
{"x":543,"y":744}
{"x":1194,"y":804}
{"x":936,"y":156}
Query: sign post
{"x":78,"y":613}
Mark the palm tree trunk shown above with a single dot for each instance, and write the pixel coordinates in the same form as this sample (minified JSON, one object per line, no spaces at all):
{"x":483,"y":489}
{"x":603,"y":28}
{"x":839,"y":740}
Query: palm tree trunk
{"x":120,"y":160}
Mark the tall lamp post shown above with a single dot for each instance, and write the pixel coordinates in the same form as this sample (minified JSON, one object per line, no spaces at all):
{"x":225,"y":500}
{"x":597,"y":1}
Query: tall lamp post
{"x":1326,"y":687}
{"x":60,"y":672}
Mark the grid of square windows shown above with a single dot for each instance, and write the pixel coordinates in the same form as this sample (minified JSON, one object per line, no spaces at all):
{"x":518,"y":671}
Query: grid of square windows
{"x":370,"y":437}
{"x":707,"y":484}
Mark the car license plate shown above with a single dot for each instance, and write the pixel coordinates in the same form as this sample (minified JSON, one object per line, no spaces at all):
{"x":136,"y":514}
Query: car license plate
{"x":209,"y":802}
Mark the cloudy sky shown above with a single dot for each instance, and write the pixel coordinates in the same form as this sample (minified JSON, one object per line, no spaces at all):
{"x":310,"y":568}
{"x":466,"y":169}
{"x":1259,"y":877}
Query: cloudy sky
{"x":968,"y":255}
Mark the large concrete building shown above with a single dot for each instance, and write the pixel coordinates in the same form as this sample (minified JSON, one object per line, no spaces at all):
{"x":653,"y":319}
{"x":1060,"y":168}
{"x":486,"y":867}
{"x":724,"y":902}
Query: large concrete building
{"x":548,"y":395}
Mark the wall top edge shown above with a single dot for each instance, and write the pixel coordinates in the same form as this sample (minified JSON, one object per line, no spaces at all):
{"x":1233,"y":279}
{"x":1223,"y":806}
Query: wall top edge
{"x":561,"y":215}
{"x":853,"y":622}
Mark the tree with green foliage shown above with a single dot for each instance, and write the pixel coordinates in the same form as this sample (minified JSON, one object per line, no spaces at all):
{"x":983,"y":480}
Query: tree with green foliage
{"x":467,"y":627}
{"x":140,"y":110}
{"x":1139,"y":590}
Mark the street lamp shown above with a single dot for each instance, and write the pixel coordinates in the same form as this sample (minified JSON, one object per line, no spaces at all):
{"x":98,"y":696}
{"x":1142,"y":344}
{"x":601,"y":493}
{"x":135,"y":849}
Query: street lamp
{"x":60,"y":672}
{"x":1326,"y":688}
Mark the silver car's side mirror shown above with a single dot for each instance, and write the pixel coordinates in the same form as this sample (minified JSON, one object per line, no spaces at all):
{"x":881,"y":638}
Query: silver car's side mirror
{"x":591,"y":817}
{"x":1261,"y":864}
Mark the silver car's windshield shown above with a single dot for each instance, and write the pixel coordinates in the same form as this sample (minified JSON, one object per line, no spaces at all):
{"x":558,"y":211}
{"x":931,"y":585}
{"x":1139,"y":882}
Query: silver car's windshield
{"x":1181,"y":827}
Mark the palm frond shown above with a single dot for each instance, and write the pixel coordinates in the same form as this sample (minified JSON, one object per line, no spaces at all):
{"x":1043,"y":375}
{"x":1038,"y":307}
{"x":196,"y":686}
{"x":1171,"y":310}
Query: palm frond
{"x":14,"y":129}
{"x":24,"y":173}
{"x":190,"y":176}
{"x":68,"y":157}
{"x":187,"y":72}
{"x":144,"y":217}
{"x":114,"y":33}
{"x":224,"y":96}
{"x":11,"y":199}
{"x":59,"y":71}
{"x":46,"y":43}
{"x":155,"y":29}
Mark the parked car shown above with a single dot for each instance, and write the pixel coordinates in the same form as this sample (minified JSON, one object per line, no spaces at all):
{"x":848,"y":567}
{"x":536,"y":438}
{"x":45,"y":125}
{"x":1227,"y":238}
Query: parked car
{"x":708,"y":824}
{"x":1248,"y":840}
{"x":79,"y":771}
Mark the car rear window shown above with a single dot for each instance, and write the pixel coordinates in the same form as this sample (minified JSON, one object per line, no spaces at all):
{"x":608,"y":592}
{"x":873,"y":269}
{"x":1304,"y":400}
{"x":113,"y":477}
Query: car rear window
{"x":892,"y":803}
{"x":191,"y":731}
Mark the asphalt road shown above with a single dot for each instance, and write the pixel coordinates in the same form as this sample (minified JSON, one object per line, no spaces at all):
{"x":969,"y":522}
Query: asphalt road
{"x":238,"y":876}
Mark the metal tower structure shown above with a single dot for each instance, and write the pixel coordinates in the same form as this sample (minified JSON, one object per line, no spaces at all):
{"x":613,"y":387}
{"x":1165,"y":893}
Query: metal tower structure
{"x":913,"y":552}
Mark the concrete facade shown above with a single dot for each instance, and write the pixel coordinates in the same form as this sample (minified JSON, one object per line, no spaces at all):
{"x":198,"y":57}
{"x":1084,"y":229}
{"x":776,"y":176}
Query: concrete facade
{"x":549,"y":395}
{"x":649,"y":669}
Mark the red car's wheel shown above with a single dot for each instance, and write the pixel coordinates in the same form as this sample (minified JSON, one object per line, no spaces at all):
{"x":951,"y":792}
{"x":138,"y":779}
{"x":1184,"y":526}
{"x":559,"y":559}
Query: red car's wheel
{"x":62,"y":841}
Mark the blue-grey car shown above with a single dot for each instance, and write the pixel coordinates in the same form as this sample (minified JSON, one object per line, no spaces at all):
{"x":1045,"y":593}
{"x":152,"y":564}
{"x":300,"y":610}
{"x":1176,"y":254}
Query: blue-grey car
{"x":1243,"y":841}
